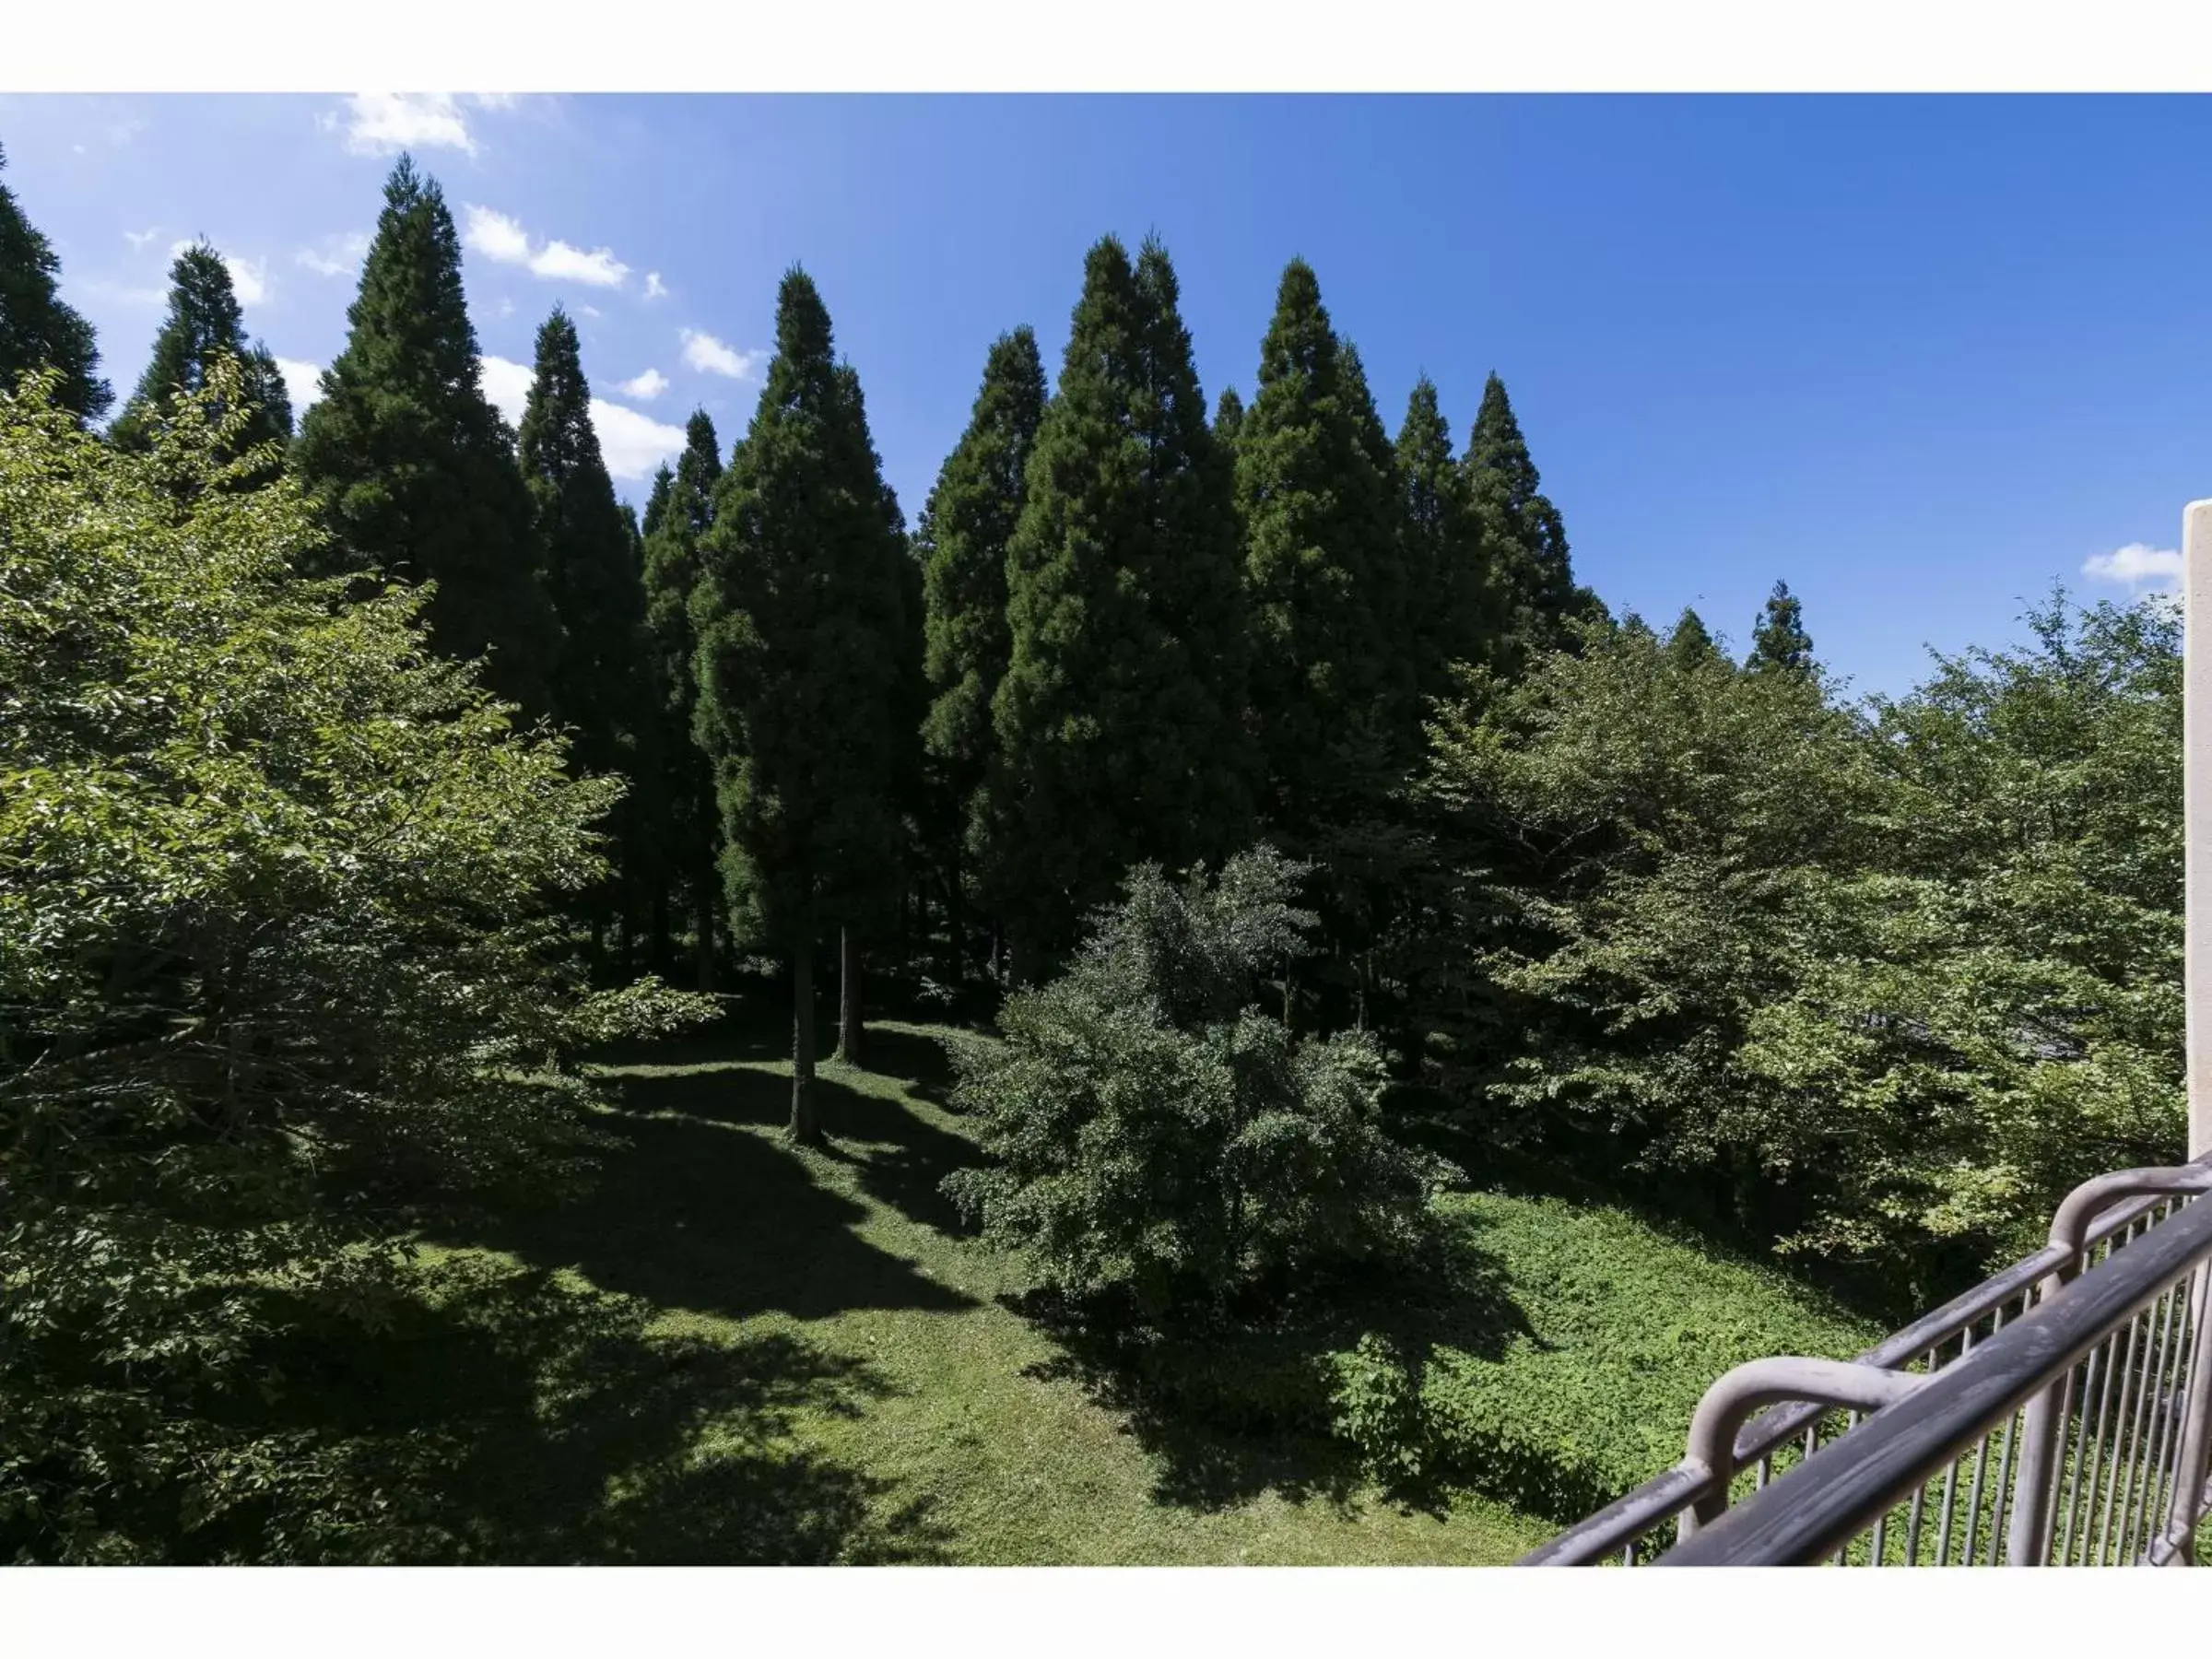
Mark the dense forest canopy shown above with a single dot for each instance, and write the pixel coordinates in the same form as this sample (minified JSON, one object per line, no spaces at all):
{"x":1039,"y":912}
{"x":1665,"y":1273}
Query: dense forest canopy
{"x":1266,"y":789}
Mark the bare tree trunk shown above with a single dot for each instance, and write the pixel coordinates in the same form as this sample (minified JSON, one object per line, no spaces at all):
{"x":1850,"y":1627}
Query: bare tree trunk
{"x":703,"y":947}
{"x":806,"y":1129}
{"x":848,"y":1031}
{"x":660,"y":928}
{"x":956,"y":925}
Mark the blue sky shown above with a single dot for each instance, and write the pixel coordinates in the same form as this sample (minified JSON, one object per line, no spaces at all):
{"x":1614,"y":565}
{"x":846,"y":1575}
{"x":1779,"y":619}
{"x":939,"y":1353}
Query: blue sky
{"x":1921,"y":357}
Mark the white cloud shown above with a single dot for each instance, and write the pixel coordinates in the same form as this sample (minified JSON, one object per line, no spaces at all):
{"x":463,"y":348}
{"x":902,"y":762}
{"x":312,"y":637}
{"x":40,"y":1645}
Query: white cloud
{"x":492,"y":100}
{"x":507,"y":383}
{"x":631,"y":443}
{"x":249,"y":280}
{"x":703,"y":352}
{"x":335,"y":255}
{"x":138,"y":239}
{"x":648,"y":385}
{"x":2136,"y":564}
{"x":599,"y":268}
{"x":591,"y":312}
{"x":494,"y":235}
{"x":502,"y":239}
{"x":654,"y":288}
{"x":380,"y":122}
{"x":302,"y":382}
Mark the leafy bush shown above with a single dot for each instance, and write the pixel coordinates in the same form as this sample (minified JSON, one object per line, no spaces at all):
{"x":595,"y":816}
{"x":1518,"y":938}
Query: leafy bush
{"x":277,"y":968}
{"x":1155,"y":1135}
{"x":1876,"y":983}
{"x":1587,"y":1390}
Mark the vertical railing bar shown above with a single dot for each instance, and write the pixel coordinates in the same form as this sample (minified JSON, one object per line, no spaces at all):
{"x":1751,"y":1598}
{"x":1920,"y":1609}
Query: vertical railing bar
{"x":2085,"y":1441}
{"x":2186,"y":1508}
{"x":1973,"y":1503}
{"x":2149,"y":1451}
{"x":2094,"y":1450}
{"x":2136,"y":1537}
{"x":1851,"y":1421}
{"x":1951,"y":1476}
{"x":1996,"y":1520}
{"x":2145,"y":1369}
{"x":2111,"y":1494}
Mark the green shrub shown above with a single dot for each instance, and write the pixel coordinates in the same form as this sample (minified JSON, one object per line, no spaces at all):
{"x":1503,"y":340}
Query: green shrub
{"x":1156,"y":1138}
{"x":1619,"y":1329}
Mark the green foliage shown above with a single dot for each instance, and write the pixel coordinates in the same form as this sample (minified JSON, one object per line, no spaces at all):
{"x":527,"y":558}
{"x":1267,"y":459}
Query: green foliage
{"x":1587,"y":1391}
{"x":1117,"y":721}
{"x":1328,"y":680}
{"x":961,"y":542}
{"x":1524,"y":540}
{"x":1779,"y":644}
{"x":593,"y":577}
{"x":37,"y":331}
{"x":415,"y":469}
{"x":1687,"y":642}
{"x":797,"y":698}
{"x":278,"y":975}
{"x":1156,"y":1138}
{"x":205,"y":323}
{"x":676,"y":516}
{"x":1876,"y":988}
{"x":1449,"y":620}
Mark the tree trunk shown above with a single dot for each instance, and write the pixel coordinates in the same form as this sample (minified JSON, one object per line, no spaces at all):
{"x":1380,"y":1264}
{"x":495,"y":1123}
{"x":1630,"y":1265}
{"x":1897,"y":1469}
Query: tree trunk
{"x":1022,"y":960}
{"x":660,"y":929}
{"x":848,"y":997}
{"x":703,"y":920}
{"x":806,"y":1129}
{"x":956,"y":925}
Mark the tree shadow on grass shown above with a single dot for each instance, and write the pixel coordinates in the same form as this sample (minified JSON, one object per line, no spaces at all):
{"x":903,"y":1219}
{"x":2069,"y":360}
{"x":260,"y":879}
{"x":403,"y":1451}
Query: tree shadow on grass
{"x":706,"y":1210}
{"x":1241,"y":1405}
{"x":501,"y":1418}
{"x":900,"y":1159}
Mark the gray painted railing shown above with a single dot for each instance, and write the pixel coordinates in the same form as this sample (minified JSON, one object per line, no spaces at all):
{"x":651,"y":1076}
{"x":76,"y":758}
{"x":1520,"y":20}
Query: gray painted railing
{"x":2054,"y":1415}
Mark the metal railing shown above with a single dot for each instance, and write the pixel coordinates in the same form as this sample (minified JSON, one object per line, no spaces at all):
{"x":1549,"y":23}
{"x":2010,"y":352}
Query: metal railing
{"x":2054,"y":1415}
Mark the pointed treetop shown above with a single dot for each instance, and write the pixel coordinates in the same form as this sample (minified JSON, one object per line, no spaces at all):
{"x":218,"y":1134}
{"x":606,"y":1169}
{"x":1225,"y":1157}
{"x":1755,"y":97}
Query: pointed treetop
{"x":802,"y":331}
{"x":1229,"y":415}
{"x":37,"y":331}
{"x":1299,"y":339}
{"x":1778,"y":643}
{"x":204,"y":323}
{"x":1690,"y":643}
{"x":656,"y":501}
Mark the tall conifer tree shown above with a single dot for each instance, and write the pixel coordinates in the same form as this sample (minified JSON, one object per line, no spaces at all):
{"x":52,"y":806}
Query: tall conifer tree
{"x":37,"y":331}
{"x":1522,"y":537}
{"x":1444,"y":567}
{"x":1115,"y":742}
{"x":961,"y":544}
{"x":595,"y":580}
{"x":798,"y":700}
{"x":205,"y":323}
{"x":1317,"y":525}
{"x":893,"y":605}
{"x":677,"y":514}
{"x":415,"y":469}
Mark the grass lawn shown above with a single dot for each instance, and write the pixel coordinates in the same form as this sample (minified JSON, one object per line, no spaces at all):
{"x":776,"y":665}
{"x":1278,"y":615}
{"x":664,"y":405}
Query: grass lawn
{"x":732,"y":1351}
